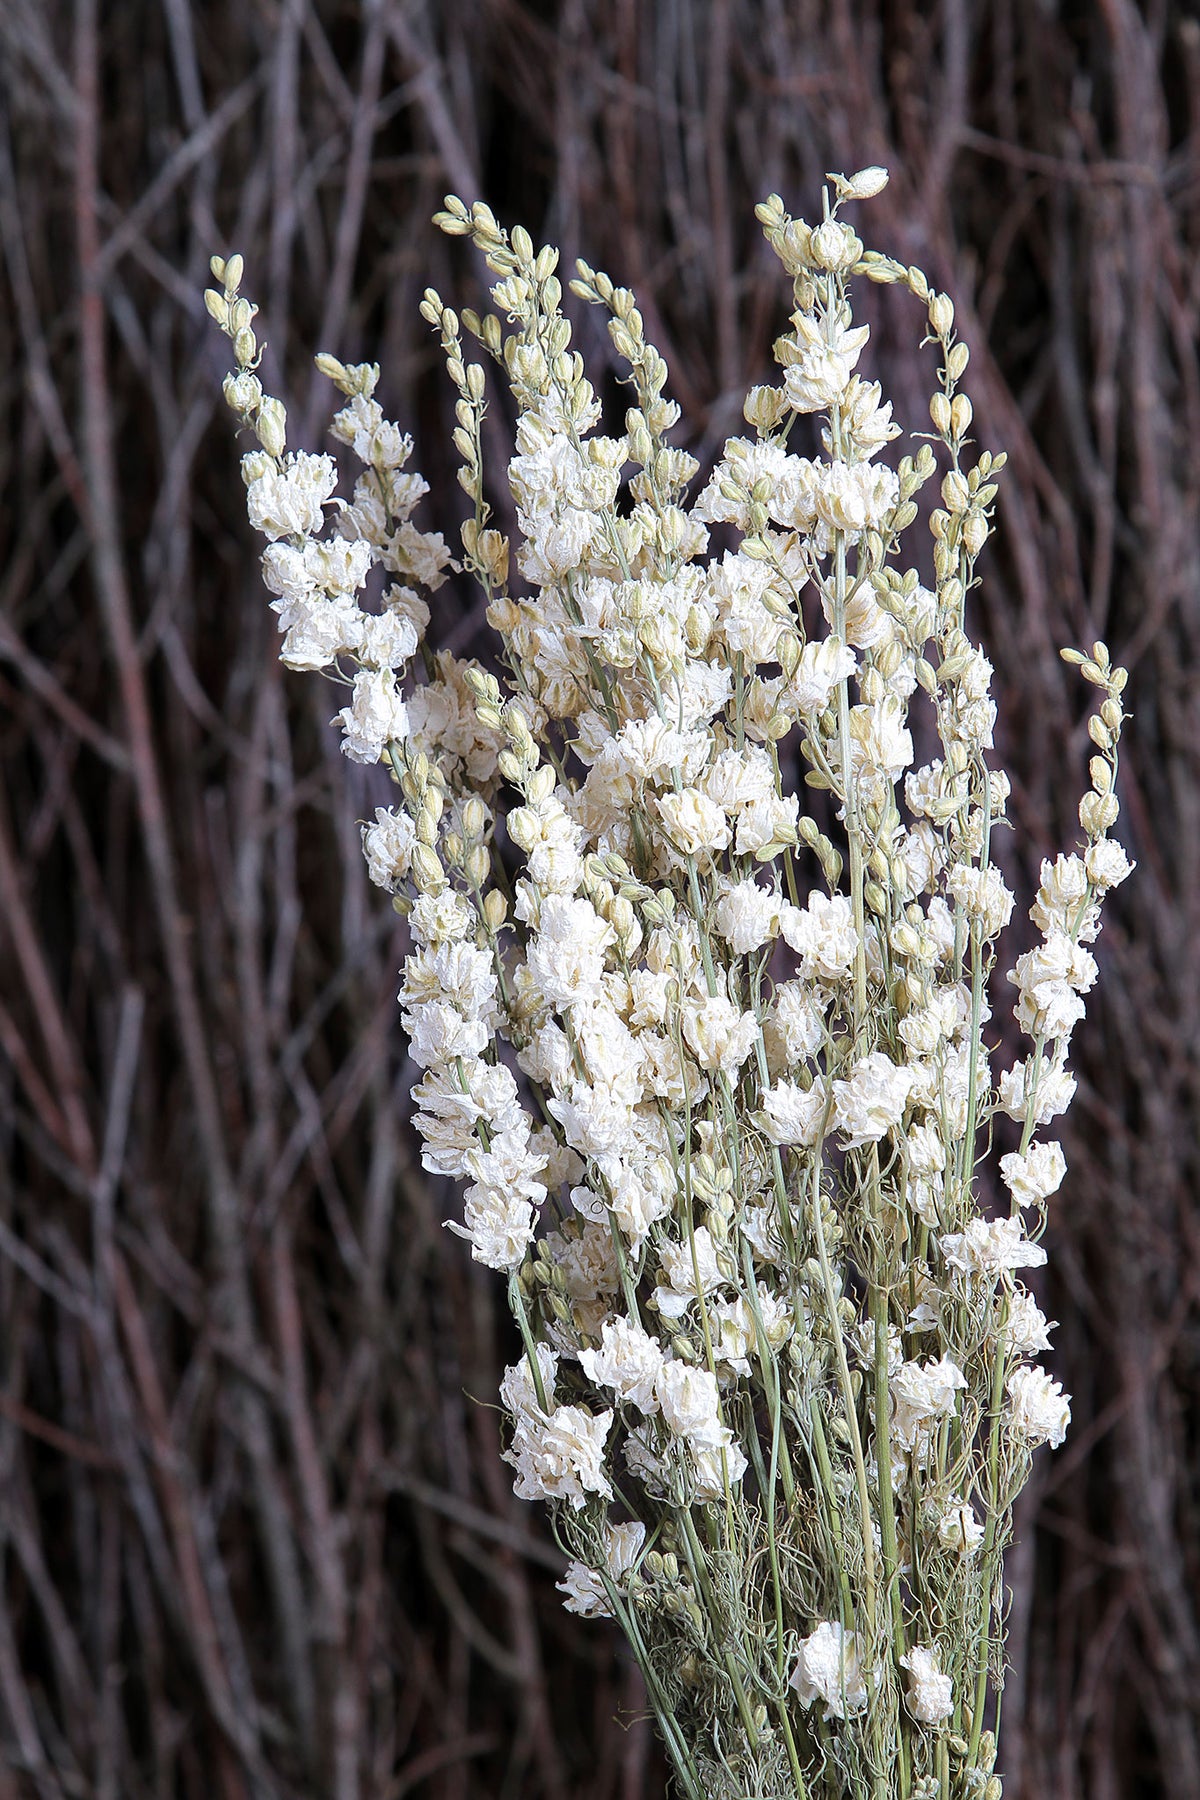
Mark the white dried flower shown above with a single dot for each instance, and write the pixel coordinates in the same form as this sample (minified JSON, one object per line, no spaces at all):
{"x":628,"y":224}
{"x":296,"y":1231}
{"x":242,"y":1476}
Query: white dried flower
{"x":828,"y":1668}
{"x":822,"y":665}
{"x":1026,"y":1327}
{"x":958,"y":1528}
{"x":1039,"y":1410}
{"x":747,"y":917}
{"x":855,"y":497}
{"x":983,"y":897}
{"x":1107,"y":864}
{"x":923,"y":1393}
{"x":691,"y":1269}
{"x":987,"y":1247}
{"x":872,"y":1102}
{"x":388,"y":846}
{"x":823,"y":936}
{"x":561,"y":1457}
{"x":719,"y":1036}
{"x":1041,"y":1091}
{"x":1033,"y":1177}
{"x":318,"y":632}
{"x":375,"y":717}
{"x":289,"y":501}
{"x":629,"y":1361}
{"x":585,"y":1592}
{"x":566,"y":958}
{"x":793,"y":1115}
{"x":1063,"y":902}
{"x":695,"y":824}
{"x":690,"y":1405}
{"x":930,"y":1695}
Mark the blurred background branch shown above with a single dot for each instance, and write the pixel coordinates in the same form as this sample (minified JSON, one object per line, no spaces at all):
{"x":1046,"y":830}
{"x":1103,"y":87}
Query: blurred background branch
{"x":256,"y":1539}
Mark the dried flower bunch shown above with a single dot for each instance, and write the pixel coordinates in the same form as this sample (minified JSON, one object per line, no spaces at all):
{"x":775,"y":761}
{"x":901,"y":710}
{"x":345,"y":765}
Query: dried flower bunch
{"x":712,"y":1070}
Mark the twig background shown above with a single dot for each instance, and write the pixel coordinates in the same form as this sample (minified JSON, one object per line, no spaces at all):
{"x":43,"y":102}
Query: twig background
{"x":254,"y":1532}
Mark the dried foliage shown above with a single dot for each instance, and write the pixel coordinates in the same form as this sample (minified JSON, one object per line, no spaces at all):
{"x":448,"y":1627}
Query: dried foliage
{"x":256,"y":1535}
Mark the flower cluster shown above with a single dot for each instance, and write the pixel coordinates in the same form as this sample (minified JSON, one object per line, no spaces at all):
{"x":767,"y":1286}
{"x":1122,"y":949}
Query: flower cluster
{"x":705,"y":1051}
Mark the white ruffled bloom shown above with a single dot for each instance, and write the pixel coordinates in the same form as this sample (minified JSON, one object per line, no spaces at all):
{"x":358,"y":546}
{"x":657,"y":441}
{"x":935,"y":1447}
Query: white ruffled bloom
{"x":566,"y":958}
{"x":796,"y":1021}
{"x":1063,"y":902}
{"x":289,"y":502}
{"x":1107,"y":864}
{"x":339,"y":564}
{"x":983,"y":896}
{"x":872,"y":1102}
{"x":881,"y":745}
{"x":558,"y":1454}
{"x":388,"y":845}
{"x":691,"y":1269}
{"x":988,"y":1247}
{"x":375,"y":717}
{"x":823,"y":936}
{"x":792,"y":1115}
{"x":855,"y":497}
{"x":958,"y":1528}
{"x":1036,"y":1175}
{"x":503,"y":1199}
{"x":694,"y":823}
{"x":712,"y":1468}
{"x":921,"y":1394}
{"x":585,"y":1592}
{"x":1051,"y":980}
{"x":828,"y":1668}
{"x":629,"y":1361}
{"x":690,"y":1404}
{"x":319,"y":632}
{"x":821,"y":666}
{"x":386,"y":640}
{"x":1026,"y":1328}
{"x":930,"y":1695}
{"x":444,"y":918}
{"x":747,"y":917}
{"x":719,"y":1036}
{"x":1039,"y":1410}
{"x":1044,"y":1098}
{"x":499,"y":1227}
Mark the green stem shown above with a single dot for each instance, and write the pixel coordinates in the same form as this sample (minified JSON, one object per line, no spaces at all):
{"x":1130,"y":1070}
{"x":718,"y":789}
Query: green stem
{"x":839,"y":1343}
{"x":694,"y":1551}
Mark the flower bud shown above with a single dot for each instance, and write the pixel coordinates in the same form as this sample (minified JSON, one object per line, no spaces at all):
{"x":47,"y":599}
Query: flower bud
{"x":955,"y":493}
{"x":1101,"y":775}
{"x":243,"y":392}
{"x":833,"y":246}
{"x":495,"y":910}
{"x":763,"y":408}
{"x":941,"y":314}
{"x":1097,"y":812}
{"x":863,"y":186}
{"x":957,"y":360}
{"x":427,"y":874}
{"x":477,"y":865}
{"x":975,"y":533}
{"x":271,"y":427}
